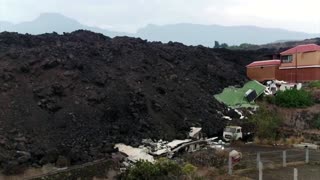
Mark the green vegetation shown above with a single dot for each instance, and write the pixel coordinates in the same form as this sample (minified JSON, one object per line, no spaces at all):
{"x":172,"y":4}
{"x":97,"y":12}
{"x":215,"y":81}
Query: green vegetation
{"x":189,"y":169}
{"x":316,"y":121}
{"x":88,"y":171}
{"x":294,"y":98}
{"x":144,"y":170}
{"x":218,"y":45}
{"x":244,"y":46}
{"x":161,"y":169}
{"x":270,"y":99}
{"x":266,"y":123}
{"x":314,"y":84}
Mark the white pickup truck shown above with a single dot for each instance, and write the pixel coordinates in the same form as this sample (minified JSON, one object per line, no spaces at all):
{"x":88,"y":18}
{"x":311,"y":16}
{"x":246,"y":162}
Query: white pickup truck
{"x":231,"y":133}
{"x":234,"y":133}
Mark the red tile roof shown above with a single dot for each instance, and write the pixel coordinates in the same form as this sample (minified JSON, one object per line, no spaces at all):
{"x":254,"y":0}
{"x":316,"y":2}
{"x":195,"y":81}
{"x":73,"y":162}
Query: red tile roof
{"x":265,"y":63}
{"x":302,"y":48}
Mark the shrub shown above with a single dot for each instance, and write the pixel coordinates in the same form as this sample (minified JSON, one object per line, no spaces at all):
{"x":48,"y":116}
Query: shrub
{"x":161,"y":169}
{"x":168,"y":167}
{"x":189,"y":169}
{"x":316,"y":121}
{"x":314,"y":84}
{"x":294,"y":98}
{"x":142,"y":170}
{"x":266,"y":123}
{"x":270,"y":99}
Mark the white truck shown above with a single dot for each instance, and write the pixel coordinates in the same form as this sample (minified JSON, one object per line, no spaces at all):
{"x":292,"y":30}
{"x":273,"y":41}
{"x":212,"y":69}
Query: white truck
{"x":234,"y":133}
{"x":231,"y":133}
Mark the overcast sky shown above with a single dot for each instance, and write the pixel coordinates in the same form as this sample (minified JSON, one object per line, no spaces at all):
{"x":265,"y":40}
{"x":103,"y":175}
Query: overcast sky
{"x":129,"y":15}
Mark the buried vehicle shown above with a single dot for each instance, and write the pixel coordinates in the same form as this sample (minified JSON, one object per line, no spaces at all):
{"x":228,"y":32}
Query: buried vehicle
{"x":234,"y":133}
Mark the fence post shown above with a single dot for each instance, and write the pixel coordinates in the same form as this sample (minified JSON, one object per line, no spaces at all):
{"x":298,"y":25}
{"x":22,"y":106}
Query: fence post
{"x":230,"y":165}
{"x":284,"y":158}
{"x":307,"y":155}
{"x":258,"y":159}
{"x":260,"y":170}
{"x":295,"y":174}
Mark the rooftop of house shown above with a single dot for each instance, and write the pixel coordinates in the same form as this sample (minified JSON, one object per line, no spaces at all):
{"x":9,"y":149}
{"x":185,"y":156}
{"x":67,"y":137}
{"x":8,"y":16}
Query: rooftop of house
{"x":274,"y":62}
{"x":301,"y":48}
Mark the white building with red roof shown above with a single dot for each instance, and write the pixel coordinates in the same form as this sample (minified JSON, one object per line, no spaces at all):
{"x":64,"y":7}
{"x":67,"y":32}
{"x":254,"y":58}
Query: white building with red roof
{"x":298,"y":64}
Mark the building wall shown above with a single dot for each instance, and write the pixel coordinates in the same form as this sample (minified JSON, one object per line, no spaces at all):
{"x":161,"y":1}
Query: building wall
{"x":303,"y":74}
{"x":304,"y":59}
{"x":309,"y":58}
{"x":262,"y":73}
{"x":292,"y":64}
{"x":308,"y":69}
{"x":289,"y":75}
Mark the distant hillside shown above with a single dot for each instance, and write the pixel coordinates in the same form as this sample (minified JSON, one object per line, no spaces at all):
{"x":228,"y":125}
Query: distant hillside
{"x":206,"y":34}
{"x":277,"y":46}
{"x":49,"y":22}
{"x":190,"y":34}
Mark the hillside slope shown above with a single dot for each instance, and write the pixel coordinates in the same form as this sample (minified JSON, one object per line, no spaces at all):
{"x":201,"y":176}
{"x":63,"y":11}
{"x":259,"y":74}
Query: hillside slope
{"x":193,"y":34}
{"x":52,"y":22}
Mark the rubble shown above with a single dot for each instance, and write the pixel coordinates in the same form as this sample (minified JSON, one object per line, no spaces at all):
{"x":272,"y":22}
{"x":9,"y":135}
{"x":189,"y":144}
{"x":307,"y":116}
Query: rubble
{"x":220,"y":145}
{"x":241,"y":115}
{"x":275,"y":85}
{"x":227,"y":117}
{"x":173,"y":144}
{"x":135,"y":154}
{"x":241,"y":97}
{"x":161,"y":152}
{"x":195,"y":132}
{"x":168,"y":149}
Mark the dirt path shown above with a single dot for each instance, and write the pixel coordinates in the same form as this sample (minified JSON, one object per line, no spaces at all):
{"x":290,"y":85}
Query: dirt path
{"x":254,"y":148}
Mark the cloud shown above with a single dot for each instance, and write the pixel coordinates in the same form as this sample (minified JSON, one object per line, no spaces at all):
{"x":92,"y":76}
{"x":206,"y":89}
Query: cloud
{"x":129,"y":15}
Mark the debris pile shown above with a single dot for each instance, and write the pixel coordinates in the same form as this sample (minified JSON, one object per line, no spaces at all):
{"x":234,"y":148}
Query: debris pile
{"x":195,"y":132}
{"x":275,"y":85}
{"x":150,"y":148}
{"x":241,"y":97}
{"x":240,"y":100}
{"x":135,"y":154}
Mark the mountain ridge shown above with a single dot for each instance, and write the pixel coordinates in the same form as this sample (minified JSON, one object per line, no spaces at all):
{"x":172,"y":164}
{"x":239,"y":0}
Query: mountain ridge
{"x":186,"y":33}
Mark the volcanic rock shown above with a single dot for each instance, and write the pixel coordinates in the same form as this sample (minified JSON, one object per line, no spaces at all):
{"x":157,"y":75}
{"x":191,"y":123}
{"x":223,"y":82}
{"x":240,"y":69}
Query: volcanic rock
{"x":75,"y":98}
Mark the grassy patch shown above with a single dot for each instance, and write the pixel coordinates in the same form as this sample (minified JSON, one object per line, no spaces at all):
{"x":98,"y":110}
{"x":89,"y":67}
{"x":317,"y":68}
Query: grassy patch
{"x":85,"y":172}
{"x":314,"y":84}
{"x":161,"y":169}
{"x":266,"y":123}
{"x":294,"y":98}
{"x":316,"y":121}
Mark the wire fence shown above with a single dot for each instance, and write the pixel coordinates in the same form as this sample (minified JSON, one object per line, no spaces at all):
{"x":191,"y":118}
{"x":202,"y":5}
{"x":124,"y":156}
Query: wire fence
{"x":249,"y":161}
{"x":273,"y":159}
